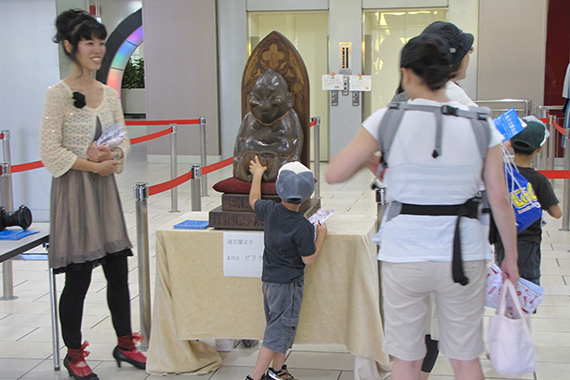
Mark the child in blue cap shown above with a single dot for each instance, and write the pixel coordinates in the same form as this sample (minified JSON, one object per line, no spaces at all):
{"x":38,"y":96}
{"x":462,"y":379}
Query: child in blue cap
{"x":526,"y":145}
{"x":290,"y":244}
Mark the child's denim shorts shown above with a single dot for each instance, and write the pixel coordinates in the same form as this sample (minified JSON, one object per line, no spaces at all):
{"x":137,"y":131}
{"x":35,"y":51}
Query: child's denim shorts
{"x":282,"y":303}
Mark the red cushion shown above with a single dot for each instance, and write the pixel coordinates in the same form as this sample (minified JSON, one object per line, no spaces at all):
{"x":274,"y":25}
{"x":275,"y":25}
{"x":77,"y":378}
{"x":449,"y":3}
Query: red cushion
{"x":233,"y":185}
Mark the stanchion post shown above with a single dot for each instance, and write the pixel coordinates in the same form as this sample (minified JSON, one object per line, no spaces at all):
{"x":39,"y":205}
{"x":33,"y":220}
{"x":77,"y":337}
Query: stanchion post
{"x":173,"y":168}
{"x":195,"y":187}
{"x":6,"y":201}
{"x":566,"y":199}
{"x":381,"y":204}
{"x":203,"y":157}
{"x":317,"y":153}
{"x":7,"y":195}
{"x":54,"y":319}
{"x":141,"y":196}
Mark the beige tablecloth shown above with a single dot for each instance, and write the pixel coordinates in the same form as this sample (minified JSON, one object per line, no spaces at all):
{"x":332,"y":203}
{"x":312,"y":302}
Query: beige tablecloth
{"x":193,"y":300}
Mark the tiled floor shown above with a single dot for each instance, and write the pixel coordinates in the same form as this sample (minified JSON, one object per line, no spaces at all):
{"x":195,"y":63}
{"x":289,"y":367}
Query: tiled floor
{"x":25,"y":326}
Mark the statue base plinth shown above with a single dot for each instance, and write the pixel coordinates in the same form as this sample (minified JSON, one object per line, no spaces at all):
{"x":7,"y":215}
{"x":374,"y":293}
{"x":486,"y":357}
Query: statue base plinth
{"x":236,"y":214}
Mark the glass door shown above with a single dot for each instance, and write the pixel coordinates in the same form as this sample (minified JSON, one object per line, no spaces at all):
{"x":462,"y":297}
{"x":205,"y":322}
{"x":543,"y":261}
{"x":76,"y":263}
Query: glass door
{"x":385,"y":32}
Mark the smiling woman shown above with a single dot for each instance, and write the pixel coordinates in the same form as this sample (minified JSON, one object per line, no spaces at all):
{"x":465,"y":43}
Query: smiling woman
{"x":87,"y":227}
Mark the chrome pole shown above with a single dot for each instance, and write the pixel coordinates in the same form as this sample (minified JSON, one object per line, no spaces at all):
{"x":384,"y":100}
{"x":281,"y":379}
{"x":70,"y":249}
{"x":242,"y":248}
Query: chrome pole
{"x":173,"y":168}
{"x":195,"y":187}
{"x":141,"y":196}
{"x":203,"y":157}
{"x":566,"y":199}
{"x":6,"y":201}
{"x":54,"y":324}
{"x":317,"y":154}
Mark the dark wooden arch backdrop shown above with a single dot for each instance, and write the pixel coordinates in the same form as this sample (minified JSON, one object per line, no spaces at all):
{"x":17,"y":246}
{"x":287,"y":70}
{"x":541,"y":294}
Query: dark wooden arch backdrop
{"x":276,"y":52}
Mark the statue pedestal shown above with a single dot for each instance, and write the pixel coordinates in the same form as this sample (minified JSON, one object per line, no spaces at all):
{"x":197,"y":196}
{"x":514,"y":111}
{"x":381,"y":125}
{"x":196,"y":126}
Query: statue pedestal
{"x":236,"y":214}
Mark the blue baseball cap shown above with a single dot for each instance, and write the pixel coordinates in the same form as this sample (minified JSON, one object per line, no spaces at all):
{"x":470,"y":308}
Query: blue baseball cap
{"x":295,"y":182}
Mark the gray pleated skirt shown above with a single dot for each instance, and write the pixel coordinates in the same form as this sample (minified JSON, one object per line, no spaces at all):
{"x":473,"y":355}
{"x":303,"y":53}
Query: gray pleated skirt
{"x":86,"y":221}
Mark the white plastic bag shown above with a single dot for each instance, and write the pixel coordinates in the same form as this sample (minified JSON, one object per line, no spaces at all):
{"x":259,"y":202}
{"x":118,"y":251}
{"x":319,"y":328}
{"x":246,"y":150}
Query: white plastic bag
{"x":112,"y":136}
{"x":511,"y":349}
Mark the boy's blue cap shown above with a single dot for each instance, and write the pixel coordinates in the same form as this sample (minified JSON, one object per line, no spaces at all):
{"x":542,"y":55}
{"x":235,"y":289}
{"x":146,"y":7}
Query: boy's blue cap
{"x":295,"y":182}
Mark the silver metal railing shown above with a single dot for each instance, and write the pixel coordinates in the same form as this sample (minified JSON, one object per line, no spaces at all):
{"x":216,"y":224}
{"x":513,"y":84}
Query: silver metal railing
{"x":317,"y":154}
{"x":6,"y":200}
{"x":203,"y":157}
{"x":196,"y":170}
{"x":173,"y":167}
{"x":141,"y":196}
{"x":499,"y":106}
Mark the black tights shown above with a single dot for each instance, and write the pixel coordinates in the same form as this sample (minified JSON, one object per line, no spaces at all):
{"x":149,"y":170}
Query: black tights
{"x":73,"y":298}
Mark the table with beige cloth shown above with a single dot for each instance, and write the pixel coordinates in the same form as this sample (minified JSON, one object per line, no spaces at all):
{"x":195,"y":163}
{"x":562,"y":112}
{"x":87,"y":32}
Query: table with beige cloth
{"x":194,"y":300}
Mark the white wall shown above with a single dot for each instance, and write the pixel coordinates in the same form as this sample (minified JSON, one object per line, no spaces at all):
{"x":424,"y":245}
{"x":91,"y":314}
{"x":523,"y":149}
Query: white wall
{"x":232,"y":57}
{"x":512,"y":44}
{"x":28,"y":66}
{"x":181,"y":71}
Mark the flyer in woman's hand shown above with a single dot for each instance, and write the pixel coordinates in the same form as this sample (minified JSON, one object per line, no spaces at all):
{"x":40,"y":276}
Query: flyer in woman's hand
{"x":530,"y":294}
{"x":112,"y":136}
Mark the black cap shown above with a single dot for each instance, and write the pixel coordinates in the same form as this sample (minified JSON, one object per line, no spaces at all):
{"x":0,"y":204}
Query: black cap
{"x":412,"y":52}
{"x":459,"y":42}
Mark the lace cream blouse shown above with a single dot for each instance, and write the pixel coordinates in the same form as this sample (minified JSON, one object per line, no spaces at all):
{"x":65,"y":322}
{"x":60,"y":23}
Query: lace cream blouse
{"x":67,"y":131}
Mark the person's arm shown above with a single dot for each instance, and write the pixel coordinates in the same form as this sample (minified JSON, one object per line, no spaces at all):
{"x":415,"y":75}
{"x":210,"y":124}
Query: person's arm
{"x":103,"y":168}
{"x":257,"y":171}
{"x":555,"y":211}
{"x":503,"y":213}
{"x":356,"y":155}
{"x":319,"y":242}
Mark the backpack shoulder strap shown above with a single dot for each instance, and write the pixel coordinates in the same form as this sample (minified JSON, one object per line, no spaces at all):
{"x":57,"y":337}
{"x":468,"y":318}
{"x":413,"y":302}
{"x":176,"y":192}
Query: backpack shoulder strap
{"x":387,"y":130}
{"x":391,"y":121}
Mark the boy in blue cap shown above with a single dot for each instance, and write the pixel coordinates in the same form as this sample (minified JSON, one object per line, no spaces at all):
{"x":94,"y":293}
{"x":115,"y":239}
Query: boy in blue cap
{"x":526,"y":145}
{"x":290,"y":244}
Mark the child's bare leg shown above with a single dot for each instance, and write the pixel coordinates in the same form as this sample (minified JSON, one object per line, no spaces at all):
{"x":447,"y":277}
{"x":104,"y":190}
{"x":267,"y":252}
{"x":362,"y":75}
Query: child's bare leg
{"x":264,"y":357}
{"x":278,"y":361}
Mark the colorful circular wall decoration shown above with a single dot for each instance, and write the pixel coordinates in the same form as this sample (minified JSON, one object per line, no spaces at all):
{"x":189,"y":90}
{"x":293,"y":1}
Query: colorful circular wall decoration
{"x":121,"y":44}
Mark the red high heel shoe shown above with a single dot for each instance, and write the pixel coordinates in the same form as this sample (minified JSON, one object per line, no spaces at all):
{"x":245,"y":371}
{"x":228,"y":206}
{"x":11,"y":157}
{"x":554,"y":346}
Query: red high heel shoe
{"x":75,"y":363}
{"x":126,"y":351}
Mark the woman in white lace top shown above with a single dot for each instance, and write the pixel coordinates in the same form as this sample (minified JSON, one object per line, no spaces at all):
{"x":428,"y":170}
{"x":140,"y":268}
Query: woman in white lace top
{"x":87,"y":226}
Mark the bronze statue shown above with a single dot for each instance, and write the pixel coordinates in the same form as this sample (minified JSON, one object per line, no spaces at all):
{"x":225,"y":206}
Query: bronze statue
{"x":271,"y":130}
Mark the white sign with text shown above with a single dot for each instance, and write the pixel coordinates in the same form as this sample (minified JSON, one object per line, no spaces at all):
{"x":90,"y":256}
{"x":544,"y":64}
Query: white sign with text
{"x":243,"y":254}
{"x":332,"y":82}
{"x":360,"y":83}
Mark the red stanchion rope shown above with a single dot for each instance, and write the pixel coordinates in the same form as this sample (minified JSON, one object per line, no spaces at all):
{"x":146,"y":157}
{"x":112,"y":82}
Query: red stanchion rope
{"x":151,"y":136}
{"x":555,"y":124}
{"x":165,"y":186}
{"x":162,"y":122}
{"x":313,"y":123}
{"x":556,"y":174}
{"x":216,"y":166}
{"x":26,"y":167}
{"x":168,"y":185}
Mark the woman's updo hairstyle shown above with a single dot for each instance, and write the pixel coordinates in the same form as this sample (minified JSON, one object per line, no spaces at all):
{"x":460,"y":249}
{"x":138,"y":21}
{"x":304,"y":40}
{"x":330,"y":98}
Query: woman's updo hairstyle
{"x":428,"y":56}
{"x":75,"y":25}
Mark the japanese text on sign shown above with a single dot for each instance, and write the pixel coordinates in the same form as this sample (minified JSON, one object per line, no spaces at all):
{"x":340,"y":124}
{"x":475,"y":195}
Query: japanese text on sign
{"x":243,"y":254}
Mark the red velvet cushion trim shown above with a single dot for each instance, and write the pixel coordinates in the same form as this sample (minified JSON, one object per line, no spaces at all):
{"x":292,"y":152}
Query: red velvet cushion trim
{"x":233,"y":185}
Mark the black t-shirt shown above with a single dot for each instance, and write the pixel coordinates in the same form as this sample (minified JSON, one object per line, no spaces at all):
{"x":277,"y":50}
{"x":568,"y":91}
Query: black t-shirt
{"x":288,"y":237}
{"x":546,"y":198}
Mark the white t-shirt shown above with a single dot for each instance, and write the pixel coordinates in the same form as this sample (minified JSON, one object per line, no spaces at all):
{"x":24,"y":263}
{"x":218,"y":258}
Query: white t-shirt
{"x":414,"y":176}
{"x":457,"y":94}
{"x":565,"y":92}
